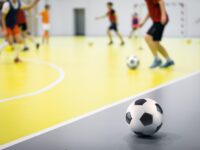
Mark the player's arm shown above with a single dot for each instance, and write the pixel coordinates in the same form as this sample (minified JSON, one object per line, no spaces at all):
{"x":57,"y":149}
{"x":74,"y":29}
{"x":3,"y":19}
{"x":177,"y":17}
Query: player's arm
{"x":101,"y":17}
{"x":3,"y":21}
{"x":30,"y":6}
{"x":163,"y":12}
{"x":145,"y":20}
{"x":5,"y":10}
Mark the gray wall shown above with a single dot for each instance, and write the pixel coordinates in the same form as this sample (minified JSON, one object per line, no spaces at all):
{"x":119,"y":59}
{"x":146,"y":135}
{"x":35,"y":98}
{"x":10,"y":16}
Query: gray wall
{"x":62,"y":21}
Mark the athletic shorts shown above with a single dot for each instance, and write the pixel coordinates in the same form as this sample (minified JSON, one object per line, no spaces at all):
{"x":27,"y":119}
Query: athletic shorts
{"x":23,"y":26}
{"x":12,"y":31}
{"x":113,"y":26}
{"x":156,"y":31}
{"x":46,"y":27}
{"x":135,"y":26}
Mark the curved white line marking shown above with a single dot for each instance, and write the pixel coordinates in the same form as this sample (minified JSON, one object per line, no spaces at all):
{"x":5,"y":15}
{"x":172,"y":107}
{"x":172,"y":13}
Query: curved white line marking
{"x":42,"y":90}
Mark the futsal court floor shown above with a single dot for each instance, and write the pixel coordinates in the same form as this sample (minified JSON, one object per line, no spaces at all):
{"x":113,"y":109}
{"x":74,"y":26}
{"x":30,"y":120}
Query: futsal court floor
{"x":56,"y":91}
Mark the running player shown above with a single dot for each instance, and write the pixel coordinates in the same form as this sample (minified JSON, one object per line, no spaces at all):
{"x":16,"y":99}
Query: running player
{"x":45,"y":23}
{"x":9,"y":23}
{"x":22,"y":23}
{"x":135,"y":24}
{"x":158,"y":14}
{"x":111,"y":14}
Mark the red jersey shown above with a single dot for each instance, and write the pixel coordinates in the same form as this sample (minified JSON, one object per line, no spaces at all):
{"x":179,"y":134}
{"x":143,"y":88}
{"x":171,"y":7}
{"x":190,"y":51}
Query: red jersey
{"x":154,"y":10}
{"x":21,"y":17}
{"x":112,"y":16}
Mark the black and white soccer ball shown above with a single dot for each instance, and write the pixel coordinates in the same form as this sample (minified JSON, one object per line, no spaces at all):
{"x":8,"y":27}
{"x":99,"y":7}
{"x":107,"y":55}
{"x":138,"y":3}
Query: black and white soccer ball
{"x":133,"y":62}
{"x":144,"y":117}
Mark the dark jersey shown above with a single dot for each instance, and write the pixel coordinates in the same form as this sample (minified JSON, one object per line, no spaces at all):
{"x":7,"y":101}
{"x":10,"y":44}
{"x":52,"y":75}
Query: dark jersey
{"x":11,"y":17}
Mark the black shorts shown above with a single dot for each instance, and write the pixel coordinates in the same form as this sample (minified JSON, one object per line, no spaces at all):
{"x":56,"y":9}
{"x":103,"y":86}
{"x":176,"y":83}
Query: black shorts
{"x":113,"y":26}
{"x":23,"y":26}
{"x":156,"y":31}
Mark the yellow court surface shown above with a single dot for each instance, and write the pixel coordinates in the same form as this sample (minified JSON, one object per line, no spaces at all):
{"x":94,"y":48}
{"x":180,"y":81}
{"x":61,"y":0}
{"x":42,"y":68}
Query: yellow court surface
{"x":76,"y":75}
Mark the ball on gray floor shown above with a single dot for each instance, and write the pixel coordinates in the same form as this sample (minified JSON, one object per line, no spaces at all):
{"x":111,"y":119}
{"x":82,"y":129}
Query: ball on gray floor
{"x":144,"y":117}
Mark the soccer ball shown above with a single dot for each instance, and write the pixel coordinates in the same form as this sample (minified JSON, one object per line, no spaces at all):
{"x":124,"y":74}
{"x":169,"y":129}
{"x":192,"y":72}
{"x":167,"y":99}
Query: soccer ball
{"x":133,"y":62}
{"x":144,"y":117}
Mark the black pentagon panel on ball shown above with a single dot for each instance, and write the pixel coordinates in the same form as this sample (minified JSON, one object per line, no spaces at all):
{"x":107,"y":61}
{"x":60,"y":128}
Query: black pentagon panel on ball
{"x":146,"y":119}
{"x":128,"y":117}
{"x":140,"y":102}
{"x":158,"y":128}
{"x":159,"y":108}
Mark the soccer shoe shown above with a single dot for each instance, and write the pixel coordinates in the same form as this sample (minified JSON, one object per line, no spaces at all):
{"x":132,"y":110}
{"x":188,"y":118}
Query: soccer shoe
{"x":169,"y":63}
{"x":37,"y":46}
{"x":122,"y":43}
{"x":156,"y":63}
{"x":17,"y":60}
{"x":110,"y":43}
{"x":26,"y":48}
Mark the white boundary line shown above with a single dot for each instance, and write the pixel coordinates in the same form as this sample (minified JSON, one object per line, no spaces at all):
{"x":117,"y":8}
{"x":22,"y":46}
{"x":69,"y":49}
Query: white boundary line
{"x":93,"y":112}
{"x":42,"y":90}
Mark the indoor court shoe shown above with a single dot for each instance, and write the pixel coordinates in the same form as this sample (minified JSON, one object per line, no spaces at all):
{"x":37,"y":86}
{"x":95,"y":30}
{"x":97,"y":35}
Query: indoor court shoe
{"x":122,"y":43}
{"x":110,"y":43}
{"x":37,"y":46}
{"x":156,"y":63}
{"x":169,"y":63}
{"x":25,"y":49}
{"x":17,"y":60}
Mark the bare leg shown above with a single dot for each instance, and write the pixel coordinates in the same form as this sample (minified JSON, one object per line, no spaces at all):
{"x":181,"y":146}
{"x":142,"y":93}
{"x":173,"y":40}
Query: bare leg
{"x":109,"y":36}
{"x":162,"y":50}
{"x":164,"y":53}
{"x":120,"y":37}
{"x":131,"y":34}
{"x":19,"y":43}
{"x":152,"y":45}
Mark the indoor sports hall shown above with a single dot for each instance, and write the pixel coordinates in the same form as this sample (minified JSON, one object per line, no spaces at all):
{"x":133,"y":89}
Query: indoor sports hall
{"x":79,"y":64}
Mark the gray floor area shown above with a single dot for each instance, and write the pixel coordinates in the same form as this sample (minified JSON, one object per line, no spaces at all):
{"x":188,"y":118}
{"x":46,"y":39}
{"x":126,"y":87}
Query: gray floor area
{"x":107,"y":130}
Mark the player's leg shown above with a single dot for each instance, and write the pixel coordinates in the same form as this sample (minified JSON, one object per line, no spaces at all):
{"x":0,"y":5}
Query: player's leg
{"x":110,"y":35}
{"x":164,"y":53}
{"x":30,"y":38}
{"x":150,"y":40}
{"x":131,"y":33}
{"x":19,"y":43}
{"x":160,"y":48}
{"x":152,"y":46}
{"x":115,"y":28}
{"x":47,"y":36}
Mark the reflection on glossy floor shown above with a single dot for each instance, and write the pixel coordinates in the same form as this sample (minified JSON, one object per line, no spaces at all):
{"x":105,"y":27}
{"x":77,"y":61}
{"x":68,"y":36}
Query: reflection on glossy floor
{"x":73,"y":76}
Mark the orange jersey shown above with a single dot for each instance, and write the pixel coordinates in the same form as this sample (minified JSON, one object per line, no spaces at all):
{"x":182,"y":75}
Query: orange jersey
{"x":45,"y":16}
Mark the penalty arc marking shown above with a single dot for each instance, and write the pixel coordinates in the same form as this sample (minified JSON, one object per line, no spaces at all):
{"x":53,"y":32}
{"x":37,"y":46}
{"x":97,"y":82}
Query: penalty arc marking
{"x":44,"y":89}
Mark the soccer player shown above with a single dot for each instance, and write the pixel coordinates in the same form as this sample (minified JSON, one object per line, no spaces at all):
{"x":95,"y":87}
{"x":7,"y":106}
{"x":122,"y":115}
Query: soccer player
{"x":9,"y":23}
{"x":159,"y":16}
{"x":111,"y":14}
{"x":135,"y":24}
{"x":45,"y":23}
{"x":22,"y":23}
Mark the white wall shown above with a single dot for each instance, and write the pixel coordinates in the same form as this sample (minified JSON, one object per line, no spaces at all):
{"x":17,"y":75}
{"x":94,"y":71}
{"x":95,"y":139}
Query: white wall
{"x":62,"y":21}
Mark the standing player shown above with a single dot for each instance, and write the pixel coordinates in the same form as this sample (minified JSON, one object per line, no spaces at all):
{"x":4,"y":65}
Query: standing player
{"x":9,"y":23}
{"x":22,"y":23}
{"x":111,"y":14}
{"x":158,"y":14}
{"x":135,"y":24}
{"x":45,"y":23}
